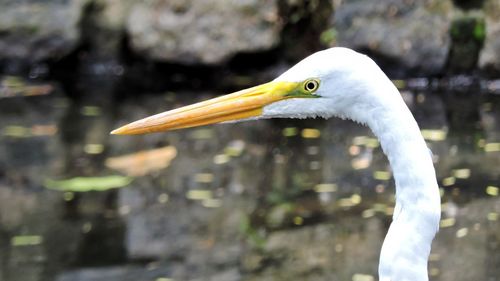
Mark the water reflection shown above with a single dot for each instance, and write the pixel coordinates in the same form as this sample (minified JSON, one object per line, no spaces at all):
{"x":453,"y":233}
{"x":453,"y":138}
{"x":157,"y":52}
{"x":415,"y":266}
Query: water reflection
{"x":267,"y":200}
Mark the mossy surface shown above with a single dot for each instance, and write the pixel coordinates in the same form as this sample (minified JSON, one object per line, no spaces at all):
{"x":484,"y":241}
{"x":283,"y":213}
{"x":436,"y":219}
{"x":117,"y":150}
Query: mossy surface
{"x":467,"y":34}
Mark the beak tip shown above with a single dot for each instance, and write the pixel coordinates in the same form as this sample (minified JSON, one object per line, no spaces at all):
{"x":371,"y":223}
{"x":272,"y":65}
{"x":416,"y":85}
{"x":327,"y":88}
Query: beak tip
{"x":119,"y":131}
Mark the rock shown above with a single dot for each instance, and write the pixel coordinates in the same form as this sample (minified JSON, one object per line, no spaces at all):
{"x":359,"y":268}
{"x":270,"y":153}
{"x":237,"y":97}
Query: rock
{"x":37,"y":30}
{"x":489,"y":58}
{"x":467,"y":35}
{"x":103,"y":28}
{"x":202,"y":31}
{"x":114,"y":13}
{"x":304,"y":22}
{"x":414,"y":33}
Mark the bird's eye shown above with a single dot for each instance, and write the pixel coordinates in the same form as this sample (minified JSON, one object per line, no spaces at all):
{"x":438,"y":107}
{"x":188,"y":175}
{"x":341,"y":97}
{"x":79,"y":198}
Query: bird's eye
{"x":311,"y":85}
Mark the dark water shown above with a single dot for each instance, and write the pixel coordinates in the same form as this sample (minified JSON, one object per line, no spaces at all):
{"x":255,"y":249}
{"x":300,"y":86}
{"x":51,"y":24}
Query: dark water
{"x":266,"y":200}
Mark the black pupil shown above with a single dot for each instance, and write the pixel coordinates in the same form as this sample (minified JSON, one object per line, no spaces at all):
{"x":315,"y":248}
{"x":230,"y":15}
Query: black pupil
{"x":310,"y":86}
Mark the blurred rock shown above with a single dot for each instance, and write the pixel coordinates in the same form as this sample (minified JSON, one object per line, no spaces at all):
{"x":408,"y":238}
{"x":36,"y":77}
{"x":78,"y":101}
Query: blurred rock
{"x":36,"y":30}
{"x":467,"y":33}
{"x":114,"y":13}
{"x":489,"y":59}
{"x":202,"y":31}
{"x":103,"y":27}
{"x":402,"y":32}
{"x":305,"y":22}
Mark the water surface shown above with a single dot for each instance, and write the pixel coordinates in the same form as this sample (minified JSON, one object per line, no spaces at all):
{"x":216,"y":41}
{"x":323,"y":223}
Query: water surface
{"x":263,"y":200}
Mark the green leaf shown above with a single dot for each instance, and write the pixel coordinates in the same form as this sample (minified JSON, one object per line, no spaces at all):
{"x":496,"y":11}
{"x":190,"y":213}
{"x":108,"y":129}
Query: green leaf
{"x":85,"y":184}
{"x":480,"y":31}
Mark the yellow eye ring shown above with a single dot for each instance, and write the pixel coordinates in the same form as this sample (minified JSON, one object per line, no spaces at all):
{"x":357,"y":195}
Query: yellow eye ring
{"x":311,"y":85}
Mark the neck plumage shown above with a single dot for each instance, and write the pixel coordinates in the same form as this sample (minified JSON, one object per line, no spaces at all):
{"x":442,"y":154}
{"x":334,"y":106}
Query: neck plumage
{"x":416,"y":216}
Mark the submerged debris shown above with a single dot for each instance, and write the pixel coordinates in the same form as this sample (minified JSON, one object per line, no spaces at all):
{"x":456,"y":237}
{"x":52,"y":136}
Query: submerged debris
{"x":13,"y":86}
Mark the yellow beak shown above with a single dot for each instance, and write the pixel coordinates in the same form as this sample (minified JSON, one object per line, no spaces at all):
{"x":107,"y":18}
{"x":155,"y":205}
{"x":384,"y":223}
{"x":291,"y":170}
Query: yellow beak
{"x":240,"y":105}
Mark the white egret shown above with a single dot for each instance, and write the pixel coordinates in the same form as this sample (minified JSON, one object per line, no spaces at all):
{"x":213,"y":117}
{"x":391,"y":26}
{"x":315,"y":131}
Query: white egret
{"x":343,"y":83}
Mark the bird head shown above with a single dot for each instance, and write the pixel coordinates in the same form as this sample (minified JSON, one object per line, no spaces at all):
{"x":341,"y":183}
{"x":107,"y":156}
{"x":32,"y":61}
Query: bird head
{"x":327,"y":83}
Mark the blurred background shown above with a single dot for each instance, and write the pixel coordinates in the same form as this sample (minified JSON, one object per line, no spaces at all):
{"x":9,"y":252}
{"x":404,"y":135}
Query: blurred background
{"x":267,"y":200}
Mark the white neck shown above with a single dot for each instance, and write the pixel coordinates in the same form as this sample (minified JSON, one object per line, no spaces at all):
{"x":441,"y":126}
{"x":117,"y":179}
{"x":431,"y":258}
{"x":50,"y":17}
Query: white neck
{"x":416,"y":217}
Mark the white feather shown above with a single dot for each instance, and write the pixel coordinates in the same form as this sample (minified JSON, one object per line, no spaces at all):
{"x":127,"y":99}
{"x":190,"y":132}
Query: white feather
{"x":353,"y":86}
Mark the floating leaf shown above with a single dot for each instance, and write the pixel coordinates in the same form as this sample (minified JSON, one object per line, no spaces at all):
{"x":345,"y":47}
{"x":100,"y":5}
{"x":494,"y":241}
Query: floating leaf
{"x":211,"y":203}
{"x":492,"y":147}
{"x":199,"y":194}
{"x":26,"y":240}
{"x":204,"y":177}
{"x":492,"y":190}
{"x":461,"y":173}
{"x":12,"y":86}
{"x":91,"y":111}
{"x":447,"y":222}
{"x":382,"y":175}
{"x":235,"y":148}
{"x":93,"y":148}
{"x":434,"y":134}
{"x":325,"y":187}
{"x":85,"y":184}
{"x":143,"y":162}
{"x":15,"y":131}
{"x":290,"y":131}
{"x":310,"y":133}
{"x":362,"y":277}
{"x":449,"y":181}
{"x":462,"y":232}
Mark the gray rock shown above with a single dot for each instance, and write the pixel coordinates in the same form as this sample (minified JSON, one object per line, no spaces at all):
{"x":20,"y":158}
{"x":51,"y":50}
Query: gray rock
{"x":467,"y":34}
{"x":489,"y":58}
{"x":104,"y":26}
{"x":413,"y":33}
{"x":114,"y":13}
{"x":202,"y":31}
{"x":37,"y":30}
